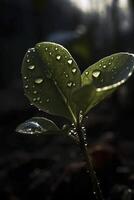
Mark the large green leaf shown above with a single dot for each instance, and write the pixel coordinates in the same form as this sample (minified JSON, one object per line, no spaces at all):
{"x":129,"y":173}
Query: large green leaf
{"x":50,"y":75}
{"x":37,"y":125}
{"x":107,"y":75}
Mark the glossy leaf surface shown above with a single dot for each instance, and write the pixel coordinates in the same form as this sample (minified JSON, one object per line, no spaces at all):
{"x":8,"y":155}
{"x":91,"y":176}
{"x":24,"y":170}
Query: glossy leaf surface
{"x":108,"y":74}
{"x":50,"y":75}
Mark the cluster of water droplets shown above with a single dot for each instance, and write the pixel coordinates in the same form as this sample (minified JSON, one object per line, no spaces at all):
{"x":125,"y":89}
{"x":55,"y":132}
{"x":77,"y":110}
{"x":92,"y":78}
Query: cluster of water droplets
{"x":73,"y":131}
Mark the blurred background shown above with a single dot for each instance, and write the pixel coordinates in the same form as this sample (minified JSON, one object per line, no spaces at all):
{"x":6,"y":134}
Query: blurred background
{"x":53,"y":168}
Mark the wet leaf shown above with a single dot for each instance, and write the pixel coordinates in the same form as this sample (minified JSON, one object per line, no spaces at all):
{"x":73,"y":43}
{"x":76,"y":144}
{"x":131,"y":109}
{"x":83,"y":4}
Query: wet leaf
{"x":50,"y":75}
{"x":108,"y":74}
{"x":37,"y":125}
{"x":83,"y":97}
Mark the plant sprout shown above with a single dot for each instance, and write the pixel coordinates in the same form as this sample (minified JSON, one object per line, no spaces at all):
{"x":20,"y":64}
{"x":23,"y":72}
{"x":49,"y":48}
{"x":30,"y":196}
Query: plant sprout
{"x":54,"y":84}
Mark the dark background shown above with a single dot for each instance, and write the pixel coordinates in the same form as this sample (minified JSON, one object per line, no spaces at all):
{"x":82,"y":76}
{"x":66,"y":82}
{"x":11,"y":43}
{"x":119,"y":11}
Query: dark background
{"x":52,"y":167}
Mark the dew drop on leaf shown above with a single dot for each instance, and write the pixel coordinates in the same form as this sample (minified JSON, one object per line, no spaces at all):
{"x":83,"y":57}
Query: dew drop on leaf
{"x":34,"y":99}
{"x":86,"y":72}
{"x":47,"y":100}
{"x":69,"y":84}
{"x":25,"y":77}
{"x":35,"y":92}
{"x":70,"y":61}
{"x":58,"y":57}
{"x":38,"y":98}
{"x":28,"y":60}
{"x":74,"y":70}
{"x":96,"y":74}
{"x":31,"y":67}
{"x":39,"y":80}
{"x":26,"y":86}
{"x":104,"y":66}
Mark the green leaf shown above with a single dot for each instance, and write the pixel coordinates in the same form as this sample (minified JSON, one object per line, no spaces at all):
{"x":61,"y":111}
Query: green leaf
{"x":50,"y":75}
{"x":107,"y":75}
{"x":37,"y":125}
{"x":83,"y":98}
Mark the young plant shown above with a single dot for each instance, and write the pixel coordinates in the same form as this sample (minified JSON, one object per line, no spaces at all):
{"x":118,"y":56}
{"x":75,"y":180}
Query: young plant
{"x":53,"y":83}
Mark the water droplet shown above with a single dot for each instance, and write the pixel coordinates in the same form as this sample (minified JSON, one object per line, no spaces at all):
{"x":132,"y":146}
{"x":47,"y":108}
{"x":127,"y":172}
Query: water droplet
{"x":112,"y":58}
{"x":46,"y":48}
{"x":104,"y":66}
{"x":129,"y":190}
{"x":40,"y":102}
{"x":69,"y":84}
{"x":66,"y":75}
{"x":109,"y":63}
{"x":58,"y":57}
{"x":130,"y":73}
{"x":74,"y":84}
{"x":35,"y":92}
{"x":74,"y":70}
{"x":94,"y":193}
{"x":56,"y":48}
{"x":50,"y":53}
{"x":99,"y":65}
{"x":70,"y":61}
{"x":39,"y":80}
{"x":25,"y":77}
{"x":86,"y":72}
{"x":26,"y":86}
{"x":69,"y":133}
{"x":96,"y":74}
{"x":38,"y":98}
{"x":47,"y":100}
{"x":31,"y":67}
{"x":28,"y":60}
{"x":34,"y":99}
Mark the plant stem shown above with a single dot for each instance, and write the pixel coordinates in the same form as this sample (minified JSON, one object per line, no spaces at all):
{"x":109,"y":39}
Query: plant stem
{"x":96,"y":188}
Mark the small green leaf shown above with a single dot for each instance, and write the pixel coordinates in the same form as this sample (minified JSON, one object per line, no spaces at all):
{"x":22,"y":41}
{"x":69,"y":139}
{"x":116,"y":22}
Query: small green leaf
{"x":108,"y":74}
{"x":83,"y":97}
{"x":37,"y":125}
{"x":50,"y":75}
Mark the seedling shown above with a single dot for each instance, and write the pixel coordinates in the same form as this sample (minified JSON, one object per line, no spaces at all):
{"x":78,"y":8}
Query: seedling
{"x":54,"y":84}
